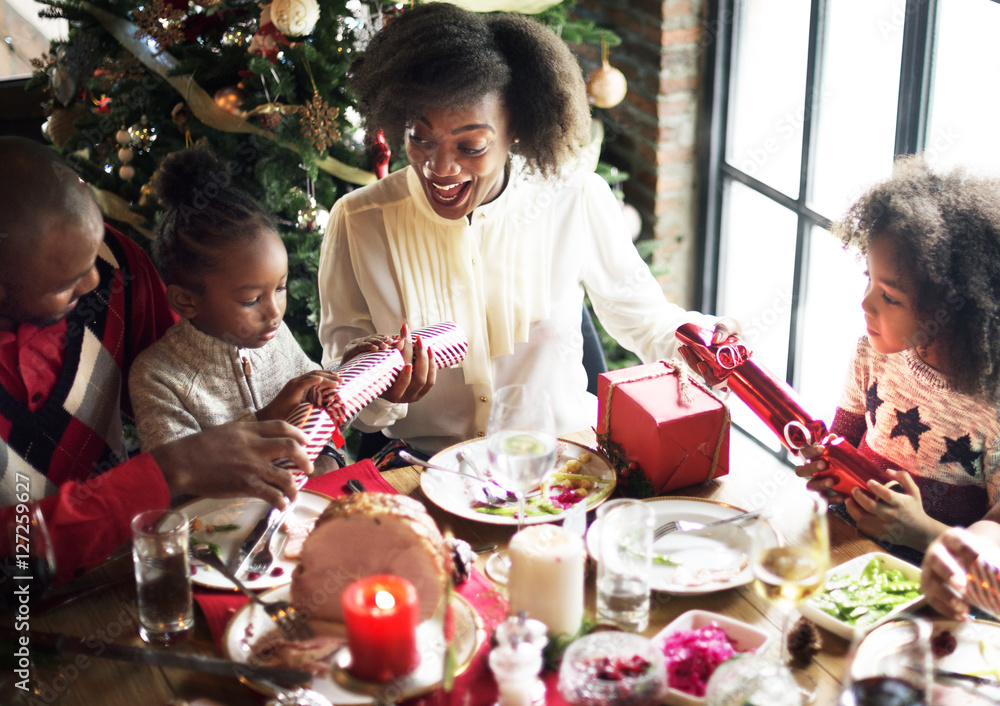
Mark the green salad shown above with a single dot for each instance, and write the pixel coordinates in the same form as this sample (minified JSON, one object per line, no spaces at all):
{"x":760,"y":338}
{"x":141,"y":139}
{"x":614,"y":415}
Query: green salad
{"x":866,"y":599}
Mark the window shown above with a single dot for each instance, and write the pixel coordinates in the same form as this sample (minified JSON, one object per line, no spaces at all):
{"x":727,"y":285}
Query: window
{"x":806,"y":104}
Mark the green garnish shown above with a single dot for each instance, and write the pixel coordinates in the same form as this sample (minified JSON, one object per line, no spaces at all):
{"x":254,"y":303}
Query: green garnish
{"x":863,"y":601}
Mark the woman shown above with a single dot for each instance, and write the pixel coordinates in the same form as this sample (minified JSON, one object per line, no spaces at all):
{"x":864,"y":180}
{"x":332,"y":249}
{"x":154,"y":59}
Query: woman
{"x":489,"y":226}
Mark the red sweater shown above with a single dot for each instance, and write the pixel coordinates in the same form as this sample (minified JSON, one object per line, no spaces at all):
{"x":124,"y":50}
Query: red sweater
{"x":61,"y":393}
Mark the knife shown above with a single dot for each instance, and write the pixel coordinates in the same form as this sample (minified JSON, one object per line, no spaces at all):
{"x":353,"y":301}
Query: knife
{"x":60,"y":643}
{"x":971,"y":678}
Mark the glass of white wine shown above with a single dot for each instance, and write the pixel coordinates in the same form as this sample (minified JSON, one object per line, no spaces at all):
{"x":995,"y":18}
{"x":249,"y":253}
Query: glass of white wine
{"x":790,"y":554}
{"x":521,"y":441}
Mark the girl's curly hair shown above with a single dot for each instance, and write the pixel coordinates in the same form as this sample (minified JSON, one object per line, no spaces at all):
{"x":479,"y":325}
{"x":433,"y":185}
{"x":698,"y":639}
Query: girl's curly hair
{"x":947,"y":232}
{"x":439,"y":56}
{"x":203,"y":213}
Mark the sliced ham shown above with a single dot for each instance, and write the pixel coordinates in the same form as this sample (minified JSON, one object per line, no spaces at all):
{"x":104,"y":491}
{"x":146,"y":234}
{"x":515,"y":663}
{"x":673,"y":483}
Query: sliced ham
{"x":365,"y":534}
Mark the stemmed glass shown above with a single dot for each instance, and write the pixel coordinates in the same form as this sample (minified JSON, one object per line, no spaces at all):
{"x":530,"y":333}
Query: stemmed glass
{"x":790,"y":555}
{"x":521,"y":442}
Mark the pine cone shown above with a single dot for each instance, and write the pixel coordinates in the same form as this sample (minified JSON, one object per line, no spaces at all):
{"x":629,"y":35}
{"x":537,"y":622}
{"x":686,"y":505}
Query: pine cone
{"x":804,"y":641}
{"x":269,"y":121}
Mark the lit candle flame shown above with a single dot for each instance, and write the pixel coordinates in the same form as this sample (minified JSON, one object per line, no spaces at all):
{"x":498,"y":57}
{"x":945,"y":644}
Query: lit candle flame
{"x":384,"y":600}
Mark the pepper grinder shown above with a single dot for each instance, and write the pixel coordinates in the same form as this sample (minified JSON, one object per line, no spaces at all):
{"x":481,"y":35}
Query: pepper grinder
{"x":516,"y":661}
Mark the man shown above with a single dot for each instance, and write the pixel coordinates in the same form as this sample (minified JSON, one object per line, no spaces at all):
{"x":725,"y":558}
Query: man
{"x":78,"y":302}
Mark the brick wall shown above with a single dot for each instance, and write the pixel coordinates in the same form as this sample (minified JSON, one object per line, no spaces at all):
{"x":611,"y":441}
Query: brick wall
{"x":652,"y":133}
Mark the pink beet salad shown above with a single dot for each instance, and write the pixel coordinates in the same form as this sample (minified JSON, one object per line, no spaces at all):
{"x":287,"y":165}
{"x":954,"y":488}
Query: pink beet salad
{"x":693,"y":655}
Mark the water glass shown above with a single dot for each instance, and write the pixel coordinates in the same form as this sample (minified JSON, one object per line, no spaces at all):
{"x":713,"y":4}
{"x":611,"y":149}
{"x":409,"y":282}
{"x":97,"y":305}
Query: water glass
{"x":624,"y":563}
{"x":162,"y":576}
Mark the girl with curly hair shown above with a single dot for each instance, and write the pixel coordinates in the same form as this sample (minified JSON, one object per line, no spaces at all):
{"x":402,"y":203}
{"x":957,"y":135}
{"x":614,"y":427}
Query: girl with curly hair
{"x":922,"y":396}
{"x":492,"y":225}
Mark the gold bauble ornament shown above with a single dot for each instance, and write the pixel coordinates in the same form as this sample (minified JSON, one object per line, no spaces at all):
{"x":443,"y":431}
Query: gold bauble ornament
{"x":59,"y":127}
{"x":295,"y":18}
{"x":606,"y":86}
{"x":313,"y":218}
{"x":207,"y":4}
{"x":230,"y":99}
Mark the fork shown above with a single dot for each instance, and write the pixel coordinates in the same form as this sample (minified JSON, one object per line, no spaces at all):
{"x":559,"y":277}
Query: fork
{"x":690,"y":526}
{"x":262,"y":560}
{"x":410,"y":458}
{"x":292,"y":625}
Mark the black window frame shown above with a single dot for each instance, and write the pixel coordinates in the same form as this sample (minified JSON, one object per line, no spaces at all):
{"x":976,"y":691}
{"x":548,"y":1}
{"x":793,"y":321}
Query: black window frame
{"x":911,"y":133}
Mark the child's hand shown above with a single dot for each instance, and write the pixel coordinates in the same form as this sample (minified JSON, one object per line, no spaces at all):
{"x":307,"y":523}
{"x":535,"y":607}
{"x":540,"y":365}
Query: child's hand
{"x":418,"y":376}
{"x":294,"y":393}
{"x":368,"y":344}
{"x":894,"y":516}
{"x":813,"y":465}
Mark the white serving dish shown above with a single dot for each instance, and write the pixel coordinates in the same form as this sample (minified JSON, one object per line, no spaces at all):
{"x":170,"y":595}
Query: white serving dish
{"x":745,"y":638}
{"x":853,"y":568}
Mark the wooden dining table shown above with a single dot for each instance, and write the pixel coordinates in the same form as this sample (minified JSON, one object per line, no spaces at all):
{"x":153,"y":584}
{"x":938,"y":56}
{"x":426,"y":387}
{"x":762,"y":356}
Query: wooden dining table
{"x":756,"y":480}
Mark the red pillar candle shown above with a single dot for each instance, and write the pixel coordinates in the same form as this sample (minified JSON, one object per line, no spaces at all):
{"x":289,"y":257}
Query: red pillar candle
{"x":381,"y":614}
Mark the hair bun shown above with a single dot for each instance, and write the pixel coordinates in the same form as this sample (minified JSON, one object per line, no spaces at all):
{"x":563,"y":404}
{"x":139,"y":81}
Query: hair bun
{"x":190,"y":174}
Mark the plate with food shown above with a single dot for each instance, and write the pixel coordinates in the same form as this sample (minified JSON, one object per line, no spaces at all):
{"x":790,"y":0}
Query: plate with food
{"x":965,"y":656}
{"x":252,"y":638}
{"x":400,"y":539}
{"x":704,"y":561}
{"x":224,"y":524}
{"x":581,"y":476}
{"x":861,"y":592}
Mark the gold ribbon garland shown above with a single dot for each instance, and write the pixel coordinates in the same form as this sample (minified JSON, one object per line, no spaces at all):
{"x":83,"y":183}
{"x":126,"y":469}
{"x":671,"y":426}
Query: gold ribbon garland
{"x":200,"y":103}
{"x":684,"y":381}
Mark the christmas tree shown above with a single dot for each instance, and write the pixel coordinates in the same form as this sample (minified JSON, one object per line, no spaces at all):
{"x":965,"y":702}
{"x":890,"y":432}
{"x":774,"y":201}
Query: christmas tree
{"x":265,"y":86}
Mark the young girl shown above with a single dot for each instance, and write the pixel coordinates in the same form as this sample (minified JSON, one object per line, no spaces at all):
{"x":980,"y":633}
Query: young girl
{"x":921,"y":398}
{"x":230,"y":357}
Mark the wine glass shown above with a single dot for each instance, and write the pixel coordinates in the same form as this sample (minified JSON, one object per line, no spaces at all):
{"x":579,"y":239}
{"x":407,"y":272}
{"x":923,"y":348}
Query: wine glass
{"x":521,"y":442}
{"x":790,"y":554}
{"x":890,"y":664}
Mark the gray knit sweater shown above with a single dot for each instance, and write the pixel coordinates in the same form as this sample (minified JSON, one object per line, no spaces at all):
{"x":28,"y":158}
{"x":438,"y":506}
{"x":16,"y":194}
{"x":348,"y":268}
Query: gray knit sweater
{"x":189,"y":381}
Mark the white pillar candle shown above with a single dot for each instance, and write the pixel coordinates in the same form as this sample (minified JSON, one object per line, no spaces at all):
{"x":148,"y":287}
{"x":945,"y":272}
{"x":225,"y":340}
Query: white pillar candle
{"x":546,"y":577}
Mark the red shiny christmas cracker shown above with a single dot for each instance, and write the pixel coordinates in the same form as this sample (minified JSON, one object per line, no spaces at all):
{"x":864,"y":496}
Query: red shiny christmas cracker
{"x":774,"y":401}
{"x":362,"y":379}
{"x":982,"y":589}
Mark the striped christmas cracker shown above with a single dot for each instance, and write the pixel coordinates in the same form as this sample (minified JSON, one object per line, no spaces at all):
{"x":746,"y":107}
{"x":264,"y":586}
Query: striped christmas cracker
{"x":983,"y":584}
{"x":362,"y":379}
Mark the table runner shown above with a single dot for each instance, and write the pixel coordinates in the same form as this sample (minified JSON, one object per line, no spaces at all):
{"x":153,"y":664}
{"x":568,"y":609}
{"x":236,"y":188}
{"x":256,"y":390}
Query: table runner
{"x":475,"y":686}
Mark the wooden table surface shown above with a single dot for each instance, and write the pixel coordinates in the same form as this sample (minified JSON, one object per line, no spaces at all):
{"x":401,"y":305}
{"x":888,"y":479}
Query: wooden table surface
{"x":755,"y":480}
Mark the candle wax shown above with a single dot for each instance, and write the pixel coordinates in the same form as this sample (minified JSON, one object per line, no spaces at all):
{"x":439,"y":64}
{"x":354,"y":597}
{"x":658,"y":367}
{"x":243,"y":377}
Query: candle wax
{"x":381,"y":614}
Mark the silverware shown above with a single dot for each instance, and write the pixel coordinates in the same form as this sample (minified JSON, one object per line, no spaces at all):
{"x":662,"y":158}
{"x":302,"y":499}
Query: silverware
{"x":690,"y":526}
{"x":292,"y":625}
{"x":285,"y":696}
{"x":355,"y":486}
{"x":60,"y":643}
{"x":242,"y":555}
{"x":261,"y":559}
{"x":410,"y":458}
{"x":495,"y":497}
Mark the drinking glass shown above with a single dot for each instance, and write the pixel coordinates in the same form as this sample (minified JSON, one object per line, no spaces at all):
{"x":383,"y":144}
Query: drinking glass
{"x":521,"y":441}
{"x":624,"y":562}
{"x":30,"y":571}
{"x":162,"y":576}
{"x":793,"y":568}
{"x":891,"y":665}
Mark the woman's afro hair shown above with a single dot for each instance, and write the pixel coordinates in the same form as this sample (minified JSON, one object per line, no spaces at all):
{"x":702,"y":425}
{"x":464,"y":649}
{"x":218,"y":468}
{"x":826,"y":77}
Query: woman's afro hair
{"x":439,"y":56}
{"x":946,"y":227}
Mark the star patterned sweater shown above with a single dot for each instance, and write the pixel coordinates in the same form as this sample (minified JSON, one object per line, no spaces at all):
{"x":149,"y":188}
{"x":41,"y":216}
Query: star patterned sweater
{"x":903,"y":414}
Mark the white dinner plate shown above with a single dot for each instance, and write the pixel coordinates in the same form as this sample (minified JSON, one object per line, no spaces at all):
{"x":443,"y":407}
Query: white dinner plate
{"x":245,"y":512}
{"x":714,"y":560}
{"x":977,"y":649}
{"x":458,"y":495}
{"x":250,"y":624}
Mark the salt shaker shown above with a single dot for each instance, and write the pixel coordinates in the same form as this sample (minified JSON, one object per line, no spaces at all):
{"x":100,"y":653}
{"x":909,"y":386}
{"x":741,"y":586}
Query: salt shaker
{"x":516,"y":661}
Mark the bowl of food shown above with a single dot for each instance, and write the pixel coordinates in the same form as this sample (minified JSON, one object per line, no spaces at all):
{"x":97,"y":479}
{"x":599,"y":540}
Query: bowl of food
{"x":866,"y":590}
{"x":695,"y":644}
{"x":612,"y":669}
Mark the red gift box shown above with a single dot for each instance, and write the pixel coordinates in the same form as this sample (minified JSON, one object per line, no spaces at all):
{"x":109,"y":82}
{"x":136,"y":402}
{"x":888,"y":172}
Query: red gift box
{"x":658,"y":422}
